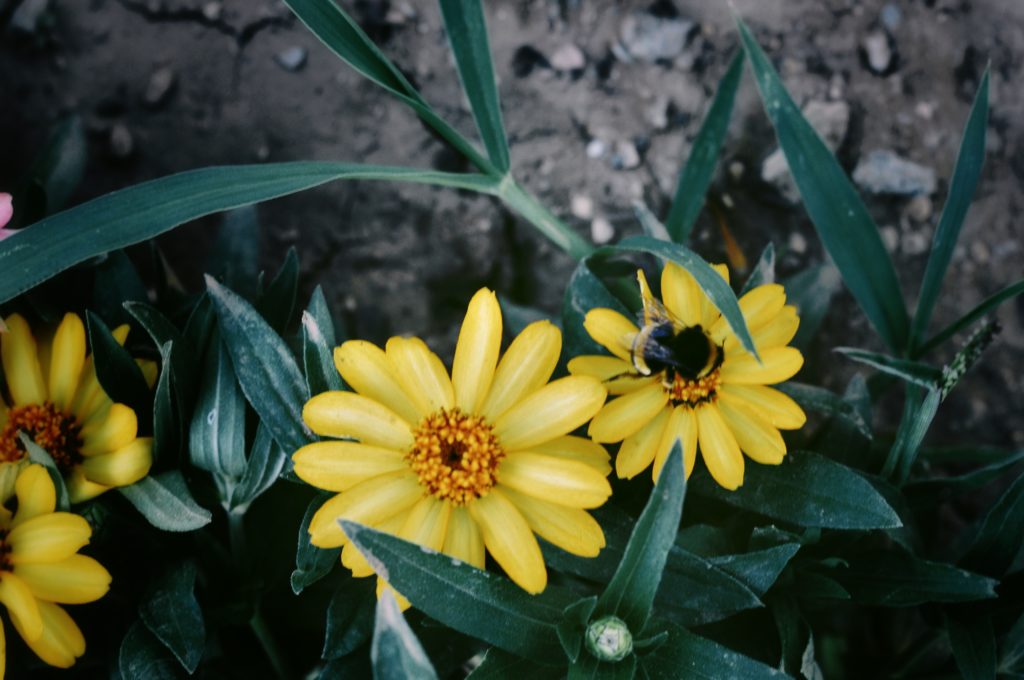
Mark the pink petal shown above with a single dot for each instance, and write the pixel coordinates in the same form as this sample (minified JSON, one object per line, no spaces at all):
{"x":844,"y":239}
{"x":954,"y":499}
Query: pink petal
{"x":4,"y":233}
{"x":6,"y":211}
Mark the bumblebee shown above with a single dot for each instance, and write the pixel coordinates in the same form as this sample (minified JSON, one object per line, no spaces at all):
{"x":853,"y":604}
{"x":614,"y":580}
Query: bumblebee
{"x":665,"y":342}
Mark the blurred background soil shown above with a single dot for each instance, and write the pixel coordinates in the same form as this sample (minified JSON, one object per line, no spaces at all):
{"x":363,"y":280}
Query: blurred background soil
{"x":601,"y":101}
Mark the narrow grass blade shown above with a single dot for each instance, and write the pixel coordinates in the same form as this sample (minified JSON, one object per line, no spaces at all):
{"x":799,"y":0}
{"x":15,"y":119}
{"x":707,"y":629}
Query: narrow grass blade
{"x":343,"y":36}
{"x":143,"y":211}
{"x":974,"y":646}
{"x":1000,"y":537}
{"x":961,"y":190}
{"x":696,"y":175}
{"x":918,"y":412}
{"x":395,"y":652}
{"x":837,"y":211}
{"x":913,"y":372}
{"x":968,"y":319}
{"x":543,"y":220}
{"x":467,"y":33}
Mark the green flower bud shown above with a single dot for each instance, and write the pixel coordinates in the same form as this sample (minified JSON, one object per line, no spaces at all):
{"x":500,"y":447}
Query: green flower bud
{"x":609,"y":639}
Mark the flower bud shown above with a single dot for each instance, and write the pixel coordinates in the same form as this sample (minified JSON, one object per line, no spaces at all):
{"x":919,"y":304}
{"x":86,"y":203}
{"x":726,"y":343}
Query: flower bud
{"x":609,"y":639}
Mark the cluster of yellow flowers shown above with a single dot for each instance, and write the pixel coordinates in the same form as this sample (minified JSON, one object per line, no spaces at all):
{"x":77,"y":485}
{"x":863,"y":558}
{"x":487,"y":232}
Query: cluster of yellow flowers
{"x":482,"y":460}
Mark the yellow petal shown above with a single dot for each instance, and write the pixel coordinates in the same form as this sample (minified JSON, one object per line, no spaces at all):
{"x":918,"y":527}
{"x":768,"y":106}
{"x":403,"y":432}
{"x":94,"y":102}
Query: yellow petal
{"x":421,"y":374}
{"x":48,"y":538}
{"x":526,"y":367}
{"x":681,"y":294}
{"x":89,"y":397}
{"x":755,"y":435}
{"x":338,"y":466}
{"x":353,"y":560}
{"x":778,"y":408}
{"x":510,"y":541}
{"x":639,"y":449}
{"x":122,"y":467}
{"x":600,"y":367}
{"x":778,"y":364}
{"x":625,"y":415}
{"x":22,"y":607}
{"x":571,"y":529}
{"x":150,"y":371}
{"x":580,"y":449}
{"x":366,"y":369}
{"x":121,"y":333}
{"x":75,"y":580}
{"x":718,"y":447}
{"x":759,"y":306}
{"x":556,"y":409}
{"x":66,"y":360}
{"x":464,"y":541}
{"x":776,"y":333}
{"x":369,"y":503}
{"x":709,"y":313}
{"x":427,"y":523}
{"x":682,"y":427}
{"x":343,"y":414}
{"x":115,"y":431}
{"x":81,"y":489}
{"x":476,"y":353}
{"x":36,"y":494}
{"x":556,"y":480}
{"x":611,"y":330}
{"x":61,"y":641}
{"x":21,"y":363}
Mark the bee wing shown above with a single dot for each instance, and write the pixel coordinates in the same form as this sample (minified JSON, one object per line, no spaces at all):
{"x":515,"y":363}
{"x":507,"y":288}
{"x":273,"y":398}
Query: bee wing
{"x":654,"y":312}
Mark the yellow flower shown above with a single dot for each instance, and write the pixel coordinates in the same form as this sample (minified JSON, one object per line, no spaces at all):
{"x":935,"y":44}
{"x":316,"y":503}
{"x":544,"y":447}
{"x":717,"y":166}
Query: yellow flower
{"x":55,"y":398}
{"x":479,"y":461}
{"x":685,"y":376}
{"x":40,"y":570}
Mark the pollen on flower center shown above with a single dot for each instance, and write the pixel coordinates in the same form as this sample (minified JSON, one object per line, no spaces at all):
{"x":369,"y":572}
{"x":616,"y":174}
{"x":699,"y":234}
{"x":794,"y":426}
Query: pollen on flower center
{"x":690,"y":391}
{"x":455,"y":455}
{"x":50,"y":428}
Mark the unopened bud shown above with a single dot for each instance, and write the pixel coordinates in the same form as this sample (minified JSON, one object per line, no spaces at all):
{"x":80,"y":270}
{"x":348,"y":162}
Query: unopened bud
{"x":609,"y":639}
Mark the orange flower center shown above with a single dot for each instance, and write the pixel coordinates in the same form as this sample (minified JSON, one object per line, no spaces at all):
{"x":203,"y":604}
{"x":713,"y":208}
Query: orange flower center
{"x":455,"y":455}
{"x":57,"y":432}
{"x":691,"y":391}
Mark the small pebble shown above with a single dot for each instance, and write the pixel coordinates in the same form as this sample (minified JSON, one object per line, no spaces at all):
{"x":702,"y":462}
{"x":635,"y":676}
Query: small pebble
{"x":890,"y":237}
{"x":159,"y":88}
{"x":212,"y":10}
{"x":877,"y":52}
{"x":122,"y":145}
{"x":625,"y":156}
{"x":891,"y":16}
{"x":596,"y":148}
{"x":568,"y":57}
{"x":915,"y":243}
{"x":291,"y":59}
{"x":883,"y":172}
{"x":601,"y":230}
{"x":797,"y":243}
{"x":980,"y":252}
{"x":920,"y":208}
{"x":736,"y":170}
{"x":582,"y":206}
{"x":650,"y":37}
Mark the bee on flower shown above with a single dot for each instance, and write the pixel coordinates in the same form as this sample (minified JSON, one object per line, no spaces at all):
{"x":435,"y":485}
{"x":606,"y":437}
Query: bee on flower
{"x":475,"y":462}
{"x":684,"y":375}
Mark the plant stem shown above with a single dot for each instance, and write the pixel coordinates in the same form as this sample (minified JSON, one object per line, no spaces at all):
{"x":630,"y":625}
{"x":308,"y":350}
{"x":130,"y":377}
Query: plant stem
{"x":236,"y":537}
{"x":532,"y":210}
{"x":262,"y":632}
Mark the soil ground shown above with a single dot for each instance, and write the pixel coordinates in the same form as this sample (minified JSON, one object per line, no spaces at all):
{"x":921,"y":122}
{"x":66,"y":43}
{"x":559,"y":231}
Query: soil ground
{"x":403,"y":259}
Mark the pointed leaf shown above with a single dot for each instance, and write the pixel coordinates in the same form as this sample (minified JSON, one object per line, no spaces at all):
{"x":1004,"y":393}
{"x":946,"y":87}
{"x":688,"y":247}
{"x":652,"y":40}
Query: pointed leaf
{"x":764,"y":270}
{"x":349,"y":617}
{"x":974,"y":646}
{"x":913,"y":372}
{"x":235,"y":258}
{"x":217,"y":429}
{"x":165,"y":501}
{"x":41,"y":456}
{"x":1001,"y":534}
{"x":277,"y":304}
{"x":318,"y":345}
{"x":811,"y":292}
{"x":263,"y":467}
{"x":919,"y":410}
{"x":968,"y":319}
{"x":396,"y":653}
{"x":699,"y":169}
{"x":119,"y":375}
{"x":897,"y":579}
{"x":498,"y":664}
{"x":311,"y":563}
{"x":837,"y":211}
{"x":143,"y":657}
{"x":685,"y":655}
{"x":172,"y":614}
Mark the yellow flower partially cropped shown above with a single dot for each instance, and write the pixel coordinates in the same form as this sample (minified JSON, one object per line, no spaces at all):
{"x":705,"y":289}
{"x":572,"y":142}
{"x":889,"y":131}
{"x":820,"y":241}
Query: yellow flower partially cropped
{"x":54,"y":397}
{"x":686,"y":377}
{"x":473,"y":463}
{"x":40,"y":569}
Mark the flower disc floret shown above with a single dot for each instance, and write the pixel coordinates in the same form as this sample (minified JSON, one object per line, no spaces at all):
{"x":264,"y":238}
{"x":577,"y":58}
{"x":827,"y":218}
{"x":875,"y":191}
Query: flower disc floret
{"x":455,"y":456}
{"x":58,"y":433}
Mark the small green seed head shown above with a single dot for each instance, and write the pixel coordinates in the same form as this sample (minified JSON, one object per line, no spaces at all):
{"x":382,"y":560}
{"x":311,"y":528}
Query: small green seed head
{"x":609,"y":639}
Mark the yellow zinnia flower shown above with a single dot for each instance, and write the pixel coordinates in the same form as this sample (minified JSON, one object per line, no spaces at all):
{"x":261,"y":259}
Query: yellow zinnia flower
{"x":685,"y":376}
{"x":479,"y":461}
{"x":40,"y":570}
{"x":55,"y":398}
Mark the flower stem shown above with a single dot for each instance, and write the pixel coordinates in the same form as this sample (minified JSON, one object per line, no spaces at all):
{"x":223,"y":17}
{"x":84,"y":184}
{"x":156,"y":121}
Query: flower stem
{"x":270,"y":647}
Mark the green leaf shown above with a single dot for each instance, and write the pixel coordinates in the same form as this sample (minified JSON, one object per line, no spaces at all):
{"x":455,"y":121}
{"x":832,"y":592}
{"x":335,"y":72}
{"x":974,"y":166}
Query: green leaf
{"x":146,"y":210}
{"x":349,"y":618}
{"x":143,"y":657}
{"x":685,"y":655}
{"x":172,"y":614}
{"x":217,"y":430}
{"x":919,"y":410}
{"x":115,"y":284}
{"x":235,"y":257}
{"x":587,"y":667}
{"x":649,"y":223}
{"x":573,"y":626}
{"x":263,"y":467}
{"x":811,"y":292}
{"x":343,"y":36}
{"x":500,"y":665}
{"x":277,"y":304}
{"x":837,"y":211}
{"x":897,"y":579}
{"x":974,"y":646}
{"x":516,"y":317}
{"x":584,"y":292}
{"x":827,"y":403}
{"x":961,"y":189}
{"x":968,"y":319}
{"x":758,"y":569}
{"x":543,"y":220}
{"x":166,"y":423}
{"x":59,"y":168}
{"x":396,"y":653}
{"x":119,"y":375}
{"x":1011,"y":650}
{"x":311,"y":563}
{"x":485,"y":606}
{"x":165,"y":501}
{"x":717,"y":290}
{"x":318,"y":345}
{"x":999,"y":538}
{"x":38,"y":454}
{"x":764,"y":271}
{"x":913,"y":372}
{"x":808,"y":490}
{"x":630,"y":593}
{"x":935,"y":489}
{"x":267,"y":373}
{"x":467,"y":34}
{"x":699,"y":169}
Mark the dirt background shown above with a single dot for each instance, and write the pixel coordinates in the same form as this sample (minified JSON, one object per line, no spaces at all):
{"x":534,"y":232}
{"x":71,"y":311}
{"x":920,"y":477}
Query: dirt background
{"x":589,"y":137}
